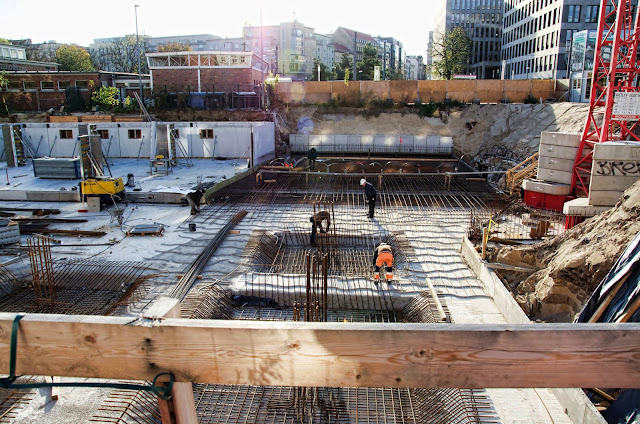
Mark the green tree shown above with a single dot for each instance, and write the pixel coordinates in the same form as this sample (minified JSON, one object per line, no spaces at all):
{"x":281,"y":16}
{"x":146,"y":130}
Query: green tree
{"x":106,"y":98}
{"x":325,"y":73}
{"x":345,"y":63}
{"x":4,"y":81}
{"x":73,"y":58}
{"x":4,"y":41}
{"x":369,"y":60}
{"x":174,"y":47}
{"x":451,"y":52}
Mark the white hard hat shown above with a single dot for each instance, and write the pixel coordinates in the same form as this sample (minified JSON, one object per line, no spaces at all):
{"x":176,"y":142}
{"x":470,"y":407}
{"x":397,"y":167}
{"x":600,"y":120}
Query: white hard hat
{"x":363,"y":181}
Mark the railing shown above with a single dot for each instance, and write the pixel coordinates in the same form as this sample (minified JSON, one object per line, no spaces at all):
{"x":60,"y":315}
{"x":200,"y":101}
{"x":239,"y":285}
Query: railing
{"x":525,"y":169}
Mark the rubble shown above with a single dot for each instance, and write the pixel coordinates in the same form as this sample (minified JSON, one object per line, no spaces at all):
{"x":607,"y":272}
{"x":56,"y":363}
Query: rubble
{"x":571,"y":265}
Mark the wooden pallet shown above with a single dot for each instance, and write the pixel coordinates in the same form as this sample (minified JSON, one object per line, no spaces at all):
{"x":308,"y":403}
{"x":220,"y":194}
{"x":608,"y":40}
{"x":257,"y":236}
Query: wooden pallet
{"x":146,"y":230}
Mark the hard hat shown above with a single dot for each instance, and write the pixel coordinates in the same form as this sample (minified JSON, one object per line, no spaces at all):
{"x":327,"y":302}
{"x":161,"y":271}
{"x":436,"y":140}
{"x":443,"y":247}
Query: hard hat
{"x":363,"y":181}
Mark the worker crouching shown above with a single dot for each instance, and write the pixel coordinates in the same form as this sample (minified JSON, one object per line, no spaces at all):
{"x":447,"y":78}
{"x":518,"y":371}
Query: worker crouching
{"x":194,"y":200}
{"x":319,"y":221}
{"x":382,"y":255}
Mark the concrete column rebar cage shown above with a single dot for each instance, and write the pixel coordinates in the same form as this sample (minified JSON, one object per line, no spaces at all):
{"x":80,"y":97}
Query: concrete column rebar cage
{"x":42,"y":271}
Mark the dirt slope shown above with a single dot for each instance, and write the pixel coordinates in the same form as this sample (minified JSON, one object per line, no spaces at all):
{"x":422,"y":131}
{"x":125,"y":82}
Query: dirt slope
{"x":515,"y":126}
{"x":571,"y":265}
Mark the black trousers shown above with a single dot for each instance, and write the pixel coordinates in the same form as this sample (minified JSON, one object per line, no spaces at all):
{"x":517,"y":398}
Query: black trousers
{"x":372,"y":206}
{"x":312,"y":238}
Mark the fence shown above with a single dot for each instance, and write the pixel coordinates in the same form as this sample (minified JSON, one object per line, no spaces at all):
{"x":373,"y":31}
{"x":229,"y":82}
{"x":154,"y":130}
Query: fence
{"x":357,"y":92}
{"x":405,"y":144}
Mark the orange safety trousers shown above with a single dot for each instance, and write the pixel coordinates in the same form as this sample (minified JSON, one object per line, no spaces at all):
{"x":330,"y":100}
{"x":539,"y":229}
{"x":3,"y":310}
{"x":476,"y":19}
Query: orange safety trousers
{"x":384,"y":258}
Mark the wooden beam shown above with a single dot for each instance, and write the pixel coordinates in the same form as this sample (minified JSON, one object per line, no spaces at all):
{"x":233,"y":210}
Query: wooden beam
{"x":181,"y":408}
{"x":326,"y":354}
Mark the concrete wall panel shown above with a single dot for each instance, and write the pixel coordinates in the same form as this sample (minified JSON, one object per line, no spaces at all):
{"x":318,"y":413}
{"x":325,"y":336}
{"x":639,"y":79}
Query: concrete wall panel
{"x":559,"y":152}
{"x":562,"y":177}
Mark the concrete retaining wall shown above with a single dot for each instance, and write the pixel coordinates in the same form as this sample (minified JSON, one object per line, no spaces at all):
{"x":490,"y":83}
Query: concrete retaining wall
{"x":576,"y":404}
{"x":342,"y":143}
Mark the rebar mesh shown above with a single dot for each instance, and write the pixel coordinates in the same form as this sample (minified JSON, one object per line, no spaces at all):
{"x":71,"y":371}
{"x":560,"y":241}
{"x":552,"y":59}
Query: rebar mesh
{"x":83,"y":288}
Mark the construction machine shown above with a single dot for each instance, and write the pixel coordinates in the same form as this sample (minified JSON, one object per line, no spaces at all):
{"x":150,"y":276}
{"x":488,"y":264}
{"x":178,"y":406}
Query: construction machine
{"x":109,"y":189}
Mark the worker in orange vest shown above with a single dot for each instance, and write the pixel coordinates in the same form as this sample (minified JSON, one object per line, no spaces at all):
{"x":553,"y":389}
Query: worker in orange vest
{"x":382,"y":255}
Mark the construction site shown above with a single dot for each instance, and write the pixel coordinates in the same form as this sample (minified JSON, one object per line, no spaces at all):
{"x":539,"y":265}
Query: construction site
{"x":227,"y":271}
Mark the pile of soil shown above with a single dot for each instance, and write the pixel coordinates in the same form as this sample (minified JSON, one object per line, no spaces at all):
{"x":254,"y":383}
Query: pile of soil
{"x":570,"y":266}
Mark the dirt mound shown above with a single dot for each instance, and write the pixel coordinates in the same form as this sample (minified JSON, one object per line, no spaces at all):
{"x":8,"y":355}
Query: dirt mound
{"x":571,"y":265}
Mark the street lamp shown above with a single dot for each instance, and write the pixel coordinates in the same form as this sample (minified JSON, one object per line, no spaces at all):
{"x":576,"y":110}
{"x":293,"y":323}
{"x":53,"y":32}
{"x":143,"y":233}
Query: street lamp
{"x":135,"y":8}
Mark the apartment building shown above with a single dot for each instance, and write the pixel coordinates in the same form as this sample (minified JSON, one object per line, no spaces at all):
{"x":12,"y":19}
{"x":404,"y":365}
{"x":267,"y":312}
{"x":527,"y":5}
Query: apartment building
{"x":290,"y":47}
{"x":482,"y":21}
{"x":325,"y":51}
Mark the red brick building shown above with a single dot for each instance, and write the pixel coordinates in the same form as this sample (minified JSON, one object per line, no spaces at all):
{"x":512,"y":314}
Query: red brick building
{"x":206,"y":71}
{"x":42,"y":90}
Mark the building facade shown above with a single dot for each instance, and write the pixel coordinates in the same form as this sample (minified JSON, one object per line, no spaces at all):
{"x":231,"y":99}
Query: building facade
{"x":14,"y":58}
{"x":325,"y":51}
{"x":414,"y":68}
{"x":289,"y":47}
{"x":42,"y":90}
{"x":392,"y":57}
{"x":206,"y":72}
{"x":354,"y":41}
{"x":197,"y":42}
{"x":482,"y":21}
{"x":537,"y":35}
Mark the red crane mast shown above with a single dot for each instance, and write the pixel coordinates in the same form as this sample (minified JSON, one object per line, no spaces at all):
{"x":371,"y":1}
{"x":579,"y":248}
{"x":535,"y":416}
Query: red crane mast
{"x":616,"y":70}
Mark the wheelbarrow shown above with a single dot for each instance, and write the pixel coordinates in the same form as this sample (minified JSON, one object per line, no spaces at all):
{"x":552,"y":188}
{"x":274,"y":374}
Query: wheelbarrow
{"x":116,"y":214}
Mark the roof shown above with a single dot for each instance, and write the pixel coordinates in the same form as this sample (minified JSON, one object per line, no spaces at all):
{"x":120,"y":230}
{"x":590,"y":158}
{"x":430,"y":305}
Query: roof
{"x":339,"y":48}
{"x":361,"y":35}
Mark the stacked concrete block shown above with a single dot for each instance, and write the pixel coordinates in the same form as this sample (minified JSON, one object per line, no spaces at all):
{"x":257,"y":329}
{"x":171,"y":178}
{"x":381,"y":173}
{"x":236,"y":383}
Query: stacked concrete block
{"x":615,"y":168}
{"x":557,"y":155}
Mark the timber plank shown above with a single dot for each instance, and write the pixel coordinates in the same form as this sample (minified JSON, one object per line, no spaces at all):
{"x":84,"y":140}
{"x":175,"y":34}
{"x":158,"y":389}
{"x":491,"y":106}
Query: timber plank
{"x":327,"y":354}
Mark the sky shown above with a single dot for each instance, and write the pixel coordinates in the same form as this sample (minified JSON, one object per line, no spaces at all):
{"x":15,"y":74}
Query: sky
{"x":79,"y":22}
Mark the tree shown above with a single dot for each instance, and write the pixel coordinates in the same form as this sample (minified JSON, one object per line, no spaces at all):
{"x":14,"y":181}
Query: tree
{"x":174,"y":47}
{"x":73,"y":58}
{"x":4,"y":81}
{"x":122,"y":55}
{"x":106,"y":98}
{"x":4,"y":41}
{"x":451,"y":52}
{"x":369,"y":60}
{"x":325,"y":73}
{"x":345,"y":63}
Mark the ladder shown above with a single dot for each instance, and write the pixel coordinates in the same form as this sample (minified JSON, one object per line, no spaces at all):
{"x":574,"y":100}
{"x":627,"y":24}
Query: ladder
{"x":175,"y":145}
{"x":20,"y":146}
